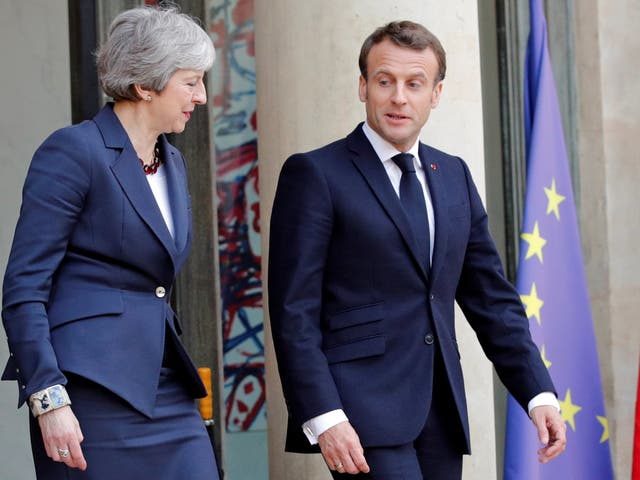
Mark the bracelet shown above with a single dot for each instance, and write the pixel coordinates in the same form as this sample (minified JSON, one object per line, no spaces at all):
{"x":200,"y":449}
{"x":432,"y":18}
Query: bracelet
{"x":49,"y":399}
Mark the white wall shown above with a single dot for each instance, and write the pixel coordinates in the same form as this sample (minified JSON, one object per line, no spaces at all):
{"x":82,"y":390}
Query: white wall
{"x":619,"y":44}
{"x":608,"y":91}
{"x":35,"y":99}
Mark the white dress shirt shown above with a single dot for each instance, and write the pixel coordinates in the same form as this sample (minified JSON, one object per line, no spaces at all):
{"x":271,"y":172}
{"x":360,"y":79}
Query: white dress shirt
{"x":315,"y":426}
{"x":158,"y":184}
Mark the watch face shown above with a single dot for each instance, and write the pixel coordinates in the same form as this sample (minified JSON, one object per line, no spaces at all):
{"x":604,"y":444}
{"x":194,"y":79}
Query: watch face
{"x":57,"y":399}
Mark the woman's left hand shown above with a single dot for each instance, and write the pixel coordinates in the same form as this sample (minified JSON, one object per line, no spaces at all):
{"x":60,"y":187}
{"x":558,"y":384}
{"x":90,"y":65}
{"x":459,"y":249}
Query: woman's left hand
{"x":62,"y":436}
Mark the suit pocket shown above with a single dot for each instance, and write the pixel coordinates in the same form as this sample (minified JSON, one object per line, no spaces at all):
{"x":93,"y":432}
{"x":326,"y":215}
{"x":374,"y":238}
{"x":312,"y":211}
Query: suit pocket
{"x":84,"y":305}
{"x":362,"y":348}
{"x":355,"y":333}
{"x":356,"y":316}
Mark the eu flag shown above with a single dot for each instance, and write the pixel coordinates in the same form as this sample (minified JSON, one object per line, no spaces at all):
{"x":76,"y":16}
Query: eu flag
{"x":551,"y":282}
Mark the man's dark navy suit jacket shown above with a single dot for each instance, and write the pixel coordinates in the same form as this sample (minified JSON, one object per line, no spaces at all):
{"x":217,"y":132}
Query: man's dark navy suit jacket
{"x":356,"y":318}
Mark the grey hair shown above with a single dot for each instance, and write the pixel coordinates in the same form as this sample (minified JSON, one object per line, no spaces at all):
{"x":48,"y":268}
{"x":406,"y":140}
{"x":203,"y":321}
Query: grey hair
{"x":146,"y":46}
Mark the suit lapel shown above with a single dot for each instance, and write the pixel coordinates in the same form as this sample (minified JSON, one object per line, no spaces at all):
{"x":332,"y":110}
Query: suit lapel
{"x":430,"y":160}
{"x":135,"y":186}
{"x":367,"y":162}
{"x":131,"y":178}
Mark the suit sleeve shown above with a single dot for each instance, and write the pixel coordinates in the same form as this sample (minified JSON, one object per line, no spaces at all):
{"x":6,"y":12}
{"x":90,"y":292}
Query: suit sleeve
{"x":494,"y":310}
{"x":301,"y":225}
{"x":52,"y":199}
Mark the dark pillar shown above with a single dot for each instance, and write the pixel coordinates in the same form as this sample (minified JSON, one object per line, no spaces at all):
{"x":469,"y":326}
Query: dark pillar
{"x":197,"y":289}
{"x":85,"y":93}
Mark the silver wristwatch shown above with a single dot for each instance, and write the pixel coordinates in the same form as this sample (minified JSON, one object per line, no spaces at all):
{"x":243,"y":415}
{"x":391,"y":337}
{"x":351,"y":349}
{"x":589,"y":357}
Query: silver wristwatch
{"x":49,"y":399}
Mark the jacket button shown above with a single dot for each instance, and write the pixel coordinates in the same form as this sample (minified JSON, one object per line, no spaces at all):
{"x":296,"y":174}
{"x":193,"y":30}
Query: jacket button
{"x":160,"y":292}
{"x":428,"y":339}
{"x":432,"y":297}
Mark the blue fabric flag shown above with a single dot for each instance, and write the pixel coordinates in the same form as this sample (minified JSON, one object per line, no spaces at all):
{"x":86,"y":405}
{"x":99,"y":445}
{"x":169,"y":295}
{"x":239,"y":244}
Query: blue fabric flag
{"x":552,"y":285}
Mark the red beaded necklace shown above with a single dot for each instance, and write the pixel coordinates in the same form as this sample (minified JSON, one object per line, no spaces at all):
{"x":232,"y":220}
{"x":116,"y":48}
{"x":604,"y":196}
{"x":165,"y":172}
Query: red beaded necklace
{"x":157,"y":161}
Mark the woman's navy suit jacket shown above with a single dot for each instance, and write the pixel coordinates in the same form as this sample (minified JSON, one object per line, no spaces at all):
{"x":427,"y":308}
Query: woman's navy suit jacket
{"x":92,"y":265}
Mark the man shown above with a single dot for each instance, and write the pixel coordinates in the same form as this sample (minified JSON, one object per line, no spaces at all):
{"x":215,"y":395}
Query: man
{"x":369,"y":250}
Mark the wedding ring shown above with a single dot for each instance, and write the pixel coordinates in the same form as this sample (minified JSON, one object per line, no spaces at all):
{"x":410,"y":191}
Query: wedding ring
{"x":63,"y":452}
{"x":339,"y":466}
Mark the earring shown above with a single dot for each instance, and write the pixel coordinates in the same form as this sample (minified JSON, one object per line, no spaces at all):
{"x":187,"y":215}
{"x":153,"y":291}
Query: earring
{"x":148,"y":98}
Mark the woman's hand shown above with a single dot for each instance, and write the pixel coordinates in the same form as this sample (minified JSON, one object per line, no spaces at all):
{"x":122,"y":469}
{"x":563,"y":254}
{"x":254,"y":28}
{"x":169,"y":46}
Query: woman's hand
{"x":62,"y":436}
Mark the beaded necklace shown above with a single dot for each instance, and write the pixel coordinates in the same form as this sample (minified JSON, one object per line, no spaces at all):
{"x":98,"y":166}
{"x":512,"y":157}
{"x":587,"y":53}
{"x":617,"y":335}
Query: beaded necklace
{"x":157,"y":161}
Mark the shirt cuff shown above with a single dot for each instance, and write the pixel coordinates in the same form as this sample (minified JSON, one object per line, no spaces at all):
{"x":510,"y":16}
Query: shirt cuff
{"x":316,"y":426}
{"x":544,"y":398}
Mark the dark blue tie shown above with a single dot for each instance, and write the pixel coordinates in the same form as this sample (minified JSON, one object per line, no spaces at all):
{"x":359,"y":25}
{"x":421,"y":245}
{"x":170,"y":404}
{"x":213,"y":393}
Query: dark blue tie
{"x":413,"y":203}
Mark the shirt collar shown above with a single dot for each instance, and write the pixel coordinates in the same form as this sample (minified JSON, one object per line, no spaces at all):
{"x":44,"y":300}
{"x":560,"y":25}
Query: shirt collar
{"x":384,"y":149}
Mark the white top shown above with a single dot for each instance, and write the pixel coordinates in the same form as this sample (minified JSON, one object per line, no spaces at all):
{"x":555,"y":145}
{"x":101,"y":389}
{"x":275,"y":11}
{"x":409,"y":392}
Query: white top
{"x":158,"y":184}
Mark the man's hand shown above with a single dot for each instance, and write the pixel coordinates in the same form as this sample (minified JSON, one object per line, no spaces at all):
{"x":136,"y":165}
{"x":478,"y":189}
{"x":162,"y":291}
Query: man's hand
{"x":62,"y":436}
{"x":341,"y":449}
{"x":552,"y":432}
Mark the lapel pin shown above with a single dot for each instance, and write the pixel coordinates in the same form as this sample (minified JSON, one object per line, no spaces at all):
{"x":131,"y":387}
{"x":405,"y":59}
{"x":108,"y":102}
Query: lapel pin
{"x":433,"y":166}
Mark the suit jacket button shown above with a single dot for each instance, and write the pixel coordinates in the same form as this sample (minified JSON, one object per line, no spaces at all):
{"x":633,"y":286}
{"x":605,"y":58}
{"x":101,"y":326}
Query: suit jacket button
{"x":432,"y":297}
{"x":428,"y":339}
{"x":160,"y":292}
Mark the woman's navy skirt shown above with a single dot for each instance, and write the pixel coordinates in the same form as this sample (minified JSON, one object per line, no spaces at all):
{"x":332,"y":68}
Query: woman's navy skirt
{"x":122,"y":444}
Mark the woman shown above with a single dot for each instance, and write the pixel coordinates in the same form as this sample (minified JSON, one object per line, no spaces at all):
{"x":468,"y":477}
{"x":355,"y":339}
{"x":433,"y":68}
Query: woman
{"x":104,"y":227}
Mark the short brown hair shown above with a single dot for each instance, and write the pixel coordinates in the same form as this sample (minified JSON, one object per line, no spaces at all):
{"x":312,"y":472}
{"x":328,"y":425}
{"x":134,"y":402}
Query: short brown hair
{"x":404,"y":34}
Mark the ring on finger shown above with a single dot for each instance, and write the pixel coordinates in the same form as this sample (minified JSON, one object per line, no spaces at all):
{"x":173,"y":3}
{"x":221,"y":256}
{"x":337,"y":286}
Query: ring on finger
{"x":63,"y":452}
{"x":339,"y":465}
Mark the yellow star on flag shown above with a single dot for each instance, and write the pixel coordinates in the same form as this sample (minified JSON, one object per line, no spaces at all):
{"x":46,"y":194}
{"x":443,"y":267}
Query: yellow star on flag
{"x":569,"y":410}
{"x":605,"y":428}
{"x":555,"y":199}
{"x":543,"y":354}
{"x":532,"y":303}
{"x":535,"y":241}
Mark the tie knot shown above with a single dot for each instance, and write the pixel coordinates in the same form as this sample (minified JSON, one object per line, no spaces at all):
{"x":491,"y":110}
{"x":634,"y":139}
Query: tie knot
{"x":404,"y":161}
